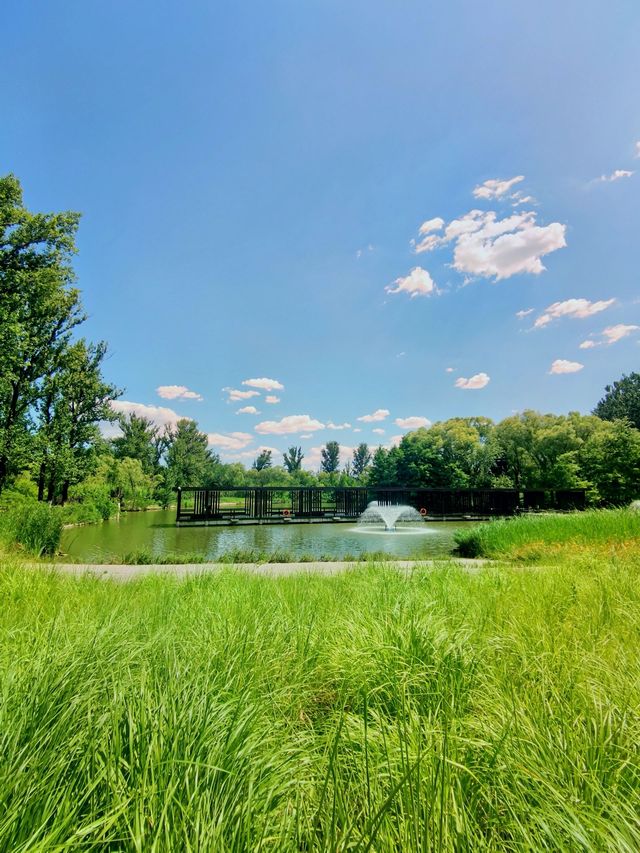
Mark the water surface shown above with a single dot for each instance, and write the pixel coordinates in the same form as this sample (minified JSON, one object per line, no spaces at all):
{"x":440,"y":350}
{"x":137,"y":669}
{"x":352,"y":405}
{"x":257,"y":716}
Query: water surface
{"x":156,"y":532}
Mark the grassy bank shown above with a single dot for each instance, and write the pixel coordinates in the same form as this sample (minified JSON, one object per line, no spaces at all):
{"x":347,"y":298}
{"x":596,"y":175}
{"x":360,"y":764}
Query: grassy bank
{"x":549,"y":536}
{"x":145,"y":557}
{"x":367,"y":711}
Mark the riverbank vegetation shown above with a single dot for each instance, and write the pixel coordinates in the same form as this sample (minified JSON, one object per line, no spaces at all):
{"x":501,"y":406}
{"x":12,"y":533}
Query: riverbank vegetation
{"x":551,"y":535}
{"x":373,"y":710}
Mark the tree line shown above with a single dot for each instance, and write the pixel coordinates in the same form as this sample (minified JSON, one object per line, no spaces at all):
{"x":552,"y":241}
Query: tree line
{"x":54,"y":399}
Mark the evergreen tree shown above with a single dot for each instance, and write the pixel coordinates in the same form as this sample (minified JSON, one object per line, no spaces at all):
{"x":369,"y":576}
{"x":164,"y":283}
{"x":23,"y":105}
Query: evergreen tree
{"x":188,"y":460}
{"x":361,"y":460}
{"x":330,"y":457}
{"x":621,"y":401}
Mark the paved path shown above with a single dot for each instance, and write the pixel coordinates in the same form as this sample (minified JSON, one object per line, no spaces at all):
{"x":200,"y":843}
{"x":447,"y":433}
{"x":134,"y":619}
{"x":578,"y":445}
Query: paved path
{"x":121,"y":572}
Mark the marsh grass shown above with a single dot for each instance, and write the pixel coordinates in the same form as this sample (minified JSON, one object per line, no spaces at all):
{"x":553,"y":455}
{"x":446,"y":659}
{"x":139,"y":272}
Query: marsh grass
{"x":373,"y":710}
{"x":533,"y":537}
{"x":146,"y":557}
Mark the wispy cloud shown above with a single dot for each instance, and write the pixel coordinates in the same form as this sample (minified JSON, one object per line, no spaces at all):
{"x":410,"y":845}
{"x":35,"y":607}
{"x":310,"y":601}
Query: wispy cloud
{"x":615,"y":176}
{"x":248,"y":410}
{"x":366,"y":249}
{"x":576,"y":309}
{"x":159,"y":415}
{"x":474,"y":383}
{"x":331,"y":425}
{"x":378,"y":415}
{"x":524,"y":313}
{"x":271,"y":399}
{"x":177,"y":392}
{"x":264,"y":384}
{"x":377,"y":430}
{"x":288,"y":425}
{"x":235,"y":395}
{"x":496,"y":188}
{"x":561,"y":365}
{"x":610,"y":335}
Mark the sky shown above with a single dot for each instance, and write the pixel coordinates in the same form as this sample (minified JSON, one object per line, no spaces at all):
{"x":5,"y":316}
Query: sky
{"x":319,"y":220}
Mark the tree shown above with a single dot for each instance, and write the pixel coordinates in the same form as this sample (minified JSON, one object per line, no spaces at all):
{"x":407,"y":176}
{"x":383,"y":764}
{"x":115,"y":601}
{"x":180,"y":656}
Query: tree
{"x":361,"y":460}
{"x":293,"y":459}
{"x":621,"y":400}
{"x":39,"y":308}
{"x":384,"y":467}
{"x":610,"y":463}
{"x":188,"y":460}
{"x":330,"y":457}
{"x":141,"y":439}
{"x":74,"y":400}
{"x":262,"y":461}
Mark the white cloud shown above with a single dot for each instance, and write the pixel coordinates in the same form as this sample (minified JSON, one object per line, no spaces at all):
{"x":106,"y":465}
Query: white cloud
{"x":264,"y":384}
{"x":361,"y":252}
{"x":417,"y":283}
{"x":160,"y":415}
{"x":519,"y":198}
{"x":230,"y":441}
{"x":616,"y":175}
{"x":524,"y":313}
{"x":377,"y":430}
{"x":637,"y":148}
{"x":449,"y":370}
{"x":331,"y":425}
{"x":495,"y":188}
{"x":271,"y":398}
{"x":435,"y":224}
{"x":412,"y":422}
{"x":487,"y":246}
{"x":561,"y":365}
{"x":357,"y":429}
{"x":248,"y":410}
{"x":577,"y":309}
{"x":395,"y":440}
{"x":307,"y":435}
{"x":588,"y":344}
{"x":474,"y":383}
{"x":289,"y":424}
{"x":177,"y":392}
{"x":611,"y":335}
{"x":235,"y":394}
{"x":243,"y":455}
{"x":378,"y":415}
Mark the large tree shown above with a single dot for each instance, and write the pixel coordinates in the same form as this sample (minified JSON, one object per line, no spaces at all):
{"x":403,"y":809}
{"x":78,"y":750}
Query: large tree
{"x":293,"y":459}
{"x":621,"y":401}
{"x":141,"y":439}
{"x":189,"y":462}
{"x":330,"y":457}
{"x":263,"y":460}
{"x":39,"y":308}
{"x":361,"y":460}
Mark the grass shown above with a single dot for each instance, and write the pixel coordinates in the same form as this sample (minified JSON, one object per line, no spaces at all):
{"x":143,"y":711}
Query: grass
{"x":535,"y":537}
{"x":370,"y":711}
{"x":146,"y":557}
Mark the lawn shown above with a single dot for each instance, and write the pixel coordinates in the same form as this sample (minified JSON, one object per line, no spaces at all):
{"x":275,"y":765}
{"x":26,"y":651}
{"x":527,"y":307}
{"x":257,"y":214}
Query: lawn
{"x":374,"y":710}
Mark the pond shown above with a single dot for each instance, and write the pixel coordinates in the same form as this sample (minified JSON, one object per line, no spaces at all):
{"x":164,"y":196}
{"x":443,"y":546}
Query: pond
{"x":157,"y":533}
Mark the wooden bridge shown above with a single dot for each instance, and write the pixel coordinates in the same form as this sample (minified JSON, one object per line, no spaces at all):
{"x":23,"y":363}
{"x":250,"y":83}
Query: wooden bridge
{"x":272,"y":504}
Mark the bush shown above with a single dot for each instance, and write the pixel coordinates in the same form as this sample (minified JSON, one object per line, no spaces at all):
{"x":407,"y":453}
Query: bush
{"x":34,"y":525}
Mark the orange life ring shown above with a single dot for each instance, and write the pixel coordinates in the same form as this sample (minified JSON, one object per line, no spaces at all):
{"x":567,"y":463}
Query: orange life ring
{"x":286,"y":513}
{"x":423,"y":512}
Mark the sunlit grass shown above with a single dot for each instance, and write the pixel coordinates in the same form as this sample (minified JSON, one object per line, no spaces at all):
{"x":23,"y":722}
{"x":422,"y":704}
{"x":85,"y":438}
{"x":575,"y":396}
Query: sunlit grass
{"x":374,"y":710}
{"x":553,"y":535}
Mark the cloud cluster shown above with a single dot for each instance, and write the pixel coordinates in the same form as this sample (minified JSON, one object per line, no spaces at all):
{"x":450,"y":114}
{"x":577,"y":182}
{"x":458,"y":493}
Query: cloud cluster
{"x":561,"y":365}
{"x":288,"y":425}
{"x":264,"y":384}
{"x":159,"y":415}
{"x":378,"y":415}
{"x":413,"y":422}
{"x":235,"y":395}
{"x":474,"y":383}
{"x":229,"y":441}
{"x":177,"y":392}
{"x":486,"y":246}
{"x":417,"y":283}
{"x":576,"y":309}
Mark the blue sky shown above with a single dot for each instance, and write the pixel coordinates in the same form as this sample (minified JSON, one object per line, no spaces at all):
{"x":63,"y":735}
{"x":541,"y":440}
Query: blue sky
{"x":253,"y":178}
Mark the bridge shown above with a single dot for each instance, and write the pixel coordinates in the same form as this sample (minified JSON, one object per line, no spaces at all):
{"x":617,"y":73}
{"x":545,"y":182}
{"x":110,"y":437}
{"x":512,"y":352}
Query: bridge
{"x":286,"y":505}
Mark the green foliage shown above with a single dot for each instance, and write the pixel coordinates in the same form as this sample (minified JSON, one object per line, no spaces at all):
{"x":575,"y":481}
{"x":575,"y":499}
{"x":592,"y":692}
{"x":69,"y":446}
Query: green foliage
{"x":140,"y":439}
{"x":34,"y":525}
{"x":621,"y":401}
{"x":188,"y":461}
{"x":262,"y":461}
{"x":374,"y":710}
{"x":535,"y":536}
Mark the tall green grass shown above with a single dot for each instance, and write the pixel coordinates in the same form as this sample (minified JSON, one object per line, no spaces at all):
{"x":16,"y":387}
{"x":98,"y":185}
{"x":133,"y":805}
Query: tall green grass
{"x":33,"y":525}
{"x":538,"y":536}
{"x":371,"y":711}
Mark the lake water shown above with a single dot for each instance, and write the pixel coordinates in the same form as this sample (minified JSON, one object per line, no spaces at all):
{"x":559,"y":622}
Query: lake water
{"x":156,"y":532}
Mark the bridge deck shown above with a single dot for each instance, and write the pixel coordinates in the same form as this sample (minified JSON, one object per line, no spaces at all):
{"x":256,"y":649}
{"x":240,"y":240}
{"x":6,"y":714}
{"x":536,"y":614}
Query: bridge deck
{"x":273,"y":504}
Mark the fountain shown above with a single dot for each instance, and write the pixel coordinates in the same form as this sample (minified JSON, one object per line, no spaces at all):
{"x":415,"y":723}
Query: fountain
{"x":389,"y":515}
